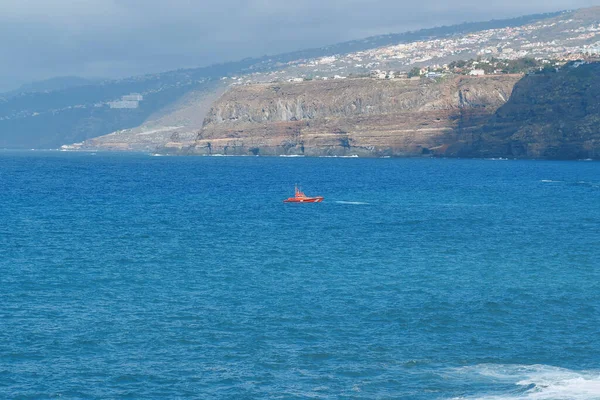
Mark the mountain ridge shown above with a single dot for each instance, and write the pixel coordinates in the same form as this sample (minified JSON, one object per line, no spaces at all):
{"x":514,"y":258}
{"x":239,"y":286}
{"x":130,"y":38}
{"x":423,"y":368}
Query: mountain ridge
{"x":48,"y":120}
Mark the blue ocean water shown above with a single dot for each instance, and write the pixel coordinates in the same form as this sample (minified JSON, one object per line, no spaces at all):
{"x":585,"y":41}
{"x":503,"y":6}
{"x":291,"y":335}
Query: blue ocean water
{"x":130,"y":276}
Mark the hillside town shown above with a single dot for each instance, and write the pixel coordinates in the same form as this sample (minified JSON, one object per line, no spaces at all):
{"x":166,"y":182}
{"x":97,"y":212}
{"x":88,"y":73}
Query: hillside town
{"x":544,"y":44}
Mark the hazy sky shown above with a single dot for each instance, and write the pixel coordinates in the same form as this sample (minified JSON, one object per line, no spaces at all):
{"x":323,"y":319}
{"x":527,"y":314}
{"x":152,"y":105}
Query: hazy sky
{"x":116,"y":38}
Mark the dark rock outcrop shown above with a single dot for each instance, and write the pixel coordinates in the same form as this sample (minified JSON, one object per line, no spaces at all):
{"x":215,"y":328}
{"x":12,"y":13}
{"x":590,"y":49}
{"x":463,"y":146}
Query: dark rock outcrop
{"x":552,"y":115}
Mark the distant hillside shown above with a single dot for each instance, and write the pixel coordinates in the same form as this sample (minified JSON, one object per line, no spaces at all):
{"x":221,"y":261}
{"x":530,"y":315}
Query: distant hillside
{"x":407,"y":37}
{"x":179,"y":121}
{"x":50,"y":85}
{"x":48,"y":118}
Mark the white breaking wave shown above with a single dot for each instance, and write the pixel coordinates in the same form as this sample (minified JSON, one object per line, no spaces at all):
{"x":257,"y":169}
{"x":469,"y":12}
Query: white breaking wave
{"x":228,"y":155}
{"x":352,"y":156}
{"x":549,"y":180}
{"x":537,"y":382}
{"x":352,"y":202}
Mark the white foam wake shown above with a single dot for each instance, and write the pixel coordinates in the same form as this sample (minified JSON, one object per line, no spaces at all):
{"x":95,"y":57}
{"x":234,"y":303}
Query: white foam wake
{"x":538,"y":382}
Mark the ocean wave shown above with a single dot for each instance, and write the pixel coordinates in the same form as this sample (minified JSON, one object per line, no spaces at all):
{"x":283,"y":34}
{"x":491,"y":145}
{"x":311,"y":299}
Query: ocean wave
{"x":539,"y":382}
{"x":588,"y":184}
{"x":352,"y":202}
{"x":350,"y":156}
{"x":229,"y":155}
{"x":574,"y":183}
{"x":462,"y":205}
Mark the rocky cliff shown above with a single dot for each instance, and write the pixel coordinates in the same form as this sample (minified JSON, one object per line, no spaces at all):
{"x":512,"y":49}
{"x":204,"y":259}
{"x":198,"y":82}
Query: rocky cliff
{"x":554,"y":115}
{"x":550,"y":115}
{"x":364,"y":117}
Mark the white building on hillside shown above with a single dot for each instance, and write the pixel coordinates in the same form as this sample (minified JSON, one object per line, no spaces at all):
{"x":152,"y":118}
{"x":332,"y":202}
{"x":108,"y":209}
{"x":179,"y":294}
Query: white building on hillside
{"x":131,"y":100}
{"x":133,"y":97}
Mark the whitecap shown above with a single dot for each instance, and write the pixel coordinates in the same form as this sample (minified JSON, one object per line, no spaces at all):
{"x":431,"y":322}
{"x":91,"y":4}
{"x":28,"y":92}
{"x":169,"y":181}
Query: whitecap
{"x":549,"y":181}
{"x":538,"y":382}
{"x":352,"y":202}
{"x":351,"y":156}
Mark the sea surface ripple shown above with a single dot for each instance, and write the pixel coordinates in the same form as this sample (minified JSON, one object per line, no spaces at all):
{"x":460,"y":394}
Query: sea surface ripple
{"x":128,"y":276}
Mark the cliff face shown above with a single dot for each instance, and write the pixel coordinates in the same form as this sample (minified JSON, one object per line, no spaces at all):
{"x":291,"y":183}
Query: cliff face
{"x":365,"y":117}
{"x":553,"y":116}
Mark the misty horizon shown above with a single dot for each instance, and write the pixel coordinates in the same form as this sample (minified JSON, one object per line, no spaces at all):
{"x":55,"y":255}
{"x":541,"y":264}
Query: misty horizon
{"x":106,"y":40}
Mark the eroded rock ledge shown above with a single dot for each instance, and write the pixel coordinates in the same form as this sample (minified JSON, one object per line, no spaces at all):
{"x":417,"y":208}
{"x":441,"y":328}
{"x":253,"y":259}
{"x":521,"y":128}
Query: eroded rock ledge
{"x":364,"y":117}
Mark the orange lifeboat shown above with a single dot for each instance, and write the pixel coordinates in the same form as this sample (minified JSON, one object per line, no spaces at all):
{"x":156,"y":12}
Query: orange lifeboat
{"x":300,"y":197}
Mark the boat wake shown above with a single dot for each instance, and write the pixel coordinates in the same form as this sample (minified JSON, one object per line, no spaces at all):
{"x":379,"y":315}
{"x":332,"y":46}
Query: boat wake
{"x":357,"y":203}
{"x":589,"y":184}
{"x":572,"y":183}
{"x":542,"y":382}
